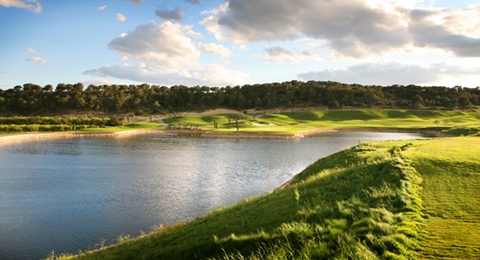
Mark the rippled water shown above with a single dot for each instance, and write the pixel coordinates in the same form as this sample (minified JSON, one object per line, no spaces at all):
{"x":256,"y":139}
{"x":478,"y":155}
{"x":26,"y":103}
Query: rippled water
{"x":65,"y":195}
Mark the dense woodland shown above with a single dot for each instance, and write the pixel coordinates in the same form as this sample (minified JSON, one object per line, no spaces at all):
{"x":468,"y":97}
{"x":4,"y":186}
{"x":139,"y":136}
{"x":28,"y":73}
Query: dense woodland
{"x":32,"y":99}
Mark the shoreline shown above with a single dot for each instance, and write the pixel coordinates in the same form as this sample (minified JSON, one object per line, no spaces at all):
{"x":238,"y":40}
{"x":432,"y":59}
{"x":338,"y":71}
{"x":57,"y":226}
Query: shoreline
{"x":22,"y":137}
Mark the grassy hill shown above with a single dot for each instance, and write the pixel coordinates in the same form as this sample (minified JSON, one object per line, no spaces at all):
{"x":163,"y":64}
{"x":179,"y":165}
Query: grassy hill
{"x":457,"y":122}
{"x":387,"y":200}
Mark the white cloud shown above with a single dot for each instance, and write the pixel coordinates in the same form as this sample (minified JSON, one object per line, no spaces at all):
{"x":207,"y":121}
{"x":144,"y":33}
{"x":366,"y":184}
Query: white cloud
{"x":29,"y":50}
{"x":37,"y":60}
{"x":164,"y":54}
{"x":165,"y":44}
{"x":279,"y":54}
{"x":189,"y":30}
{"x":351,"y":28}
{"x":2,"y":71}
{"x":243,"y":47}
{"x":211,"y":21}
{"x":31,"y":5}
{"x":101,"y":8}
{"x":197,"y":75}
{"x":215,"y":48}
{"x":121,"y":17}
{"x":390,"y":73}
{"x":453,"y":30}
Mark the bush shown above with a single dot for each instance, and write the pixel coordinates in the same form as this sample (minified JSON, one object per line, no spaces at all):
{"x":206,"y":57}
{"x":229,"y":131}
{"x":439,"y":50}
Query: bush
{"x":185,"y":126}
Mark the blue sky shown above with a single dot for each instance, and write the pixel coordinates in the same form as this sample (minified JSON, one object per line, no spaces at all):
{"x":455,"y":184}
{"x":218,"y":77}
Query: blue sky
{"x":236,"y":42}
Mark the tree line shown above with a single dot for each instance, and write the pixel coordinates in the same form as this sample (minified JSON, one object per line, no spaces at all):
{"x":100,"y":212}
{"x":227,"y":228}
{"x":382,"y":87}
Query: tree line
{"x":32,"y":99}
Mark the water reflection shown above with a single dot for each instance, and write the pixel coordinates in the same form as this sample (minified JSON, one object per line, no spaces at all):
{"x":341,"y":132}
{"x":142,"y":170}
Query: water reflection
{"x":65,"y":195}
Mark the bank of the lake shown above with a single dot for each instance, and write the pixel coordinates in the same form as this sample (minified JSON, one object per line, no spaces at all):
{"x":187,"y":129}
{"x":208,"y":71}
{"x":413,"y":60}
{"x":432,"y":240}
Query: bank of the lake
{"x":374,"y":201}
{"x":29,"y":136}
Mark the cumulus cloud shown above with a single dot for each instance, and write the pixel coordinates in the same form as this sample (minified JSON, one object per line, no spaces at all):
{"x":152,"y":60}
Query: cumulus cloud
{"x":121,"y":17}
{"x":2,"y":71}
{"x":211,"y":21}
{"x":164,"y":43}
{"x":37,"y":60}
{"x":352,"y":28}
{"x":31,"y":5}
{"x":197,"y":75}
{"x":390,"y":73}
{"x":215,"y":48}
{"x":189,"y":30}
{"x":29,"y":50}
{"x":163,"y":53}
{"x":173,"y":15}
{"x":278,"y":54}
{"x":448,"y":30}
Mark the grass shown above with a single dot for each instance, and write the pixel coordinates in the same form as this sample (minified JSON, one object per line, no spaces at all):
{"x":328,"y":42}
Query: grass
{"x":451,"y":181}
{"x":128,"y":127}
{"x":450,"y":122}
{"x":453,"y":122}
{"x":361,"y":203}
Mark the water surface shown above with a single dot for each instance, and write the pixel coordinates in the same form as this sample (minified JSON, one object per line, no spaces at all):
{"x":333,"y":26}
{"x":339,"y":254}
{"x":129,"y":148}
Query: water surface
{"x":65,"y":195}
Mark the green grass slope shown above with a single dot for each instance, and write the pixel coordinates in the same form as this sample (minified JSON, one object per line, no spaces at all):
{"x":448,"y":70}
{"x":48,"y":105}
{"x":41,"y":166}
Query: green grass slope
{"x":451,"y":183}
{"x":362,"y":203}
{"x":454,"y":122}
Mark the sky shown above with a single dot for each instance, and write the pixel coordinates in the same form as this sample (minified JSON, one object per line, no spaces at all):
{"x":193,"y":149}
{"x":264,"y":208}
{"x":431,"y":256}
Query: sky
{"x":238,"y":42}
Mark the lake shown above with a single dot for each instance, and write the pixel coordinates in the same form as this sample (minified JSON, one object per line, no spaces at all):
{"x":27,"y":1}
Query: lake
{"x":66,"y":195}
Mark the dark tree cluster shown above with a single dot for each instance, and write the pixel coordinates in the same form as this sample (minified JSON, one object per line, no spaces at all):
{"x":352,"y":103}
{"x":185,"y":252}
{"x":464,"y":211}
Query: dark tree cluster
{"x":32,"y":99}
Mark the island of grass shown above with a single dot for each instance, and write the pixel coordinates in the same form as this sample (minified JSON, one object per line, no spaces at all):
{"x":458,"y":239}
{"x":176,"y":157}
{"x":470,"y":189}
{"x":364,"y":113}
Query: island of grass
{"x":385,"y":200}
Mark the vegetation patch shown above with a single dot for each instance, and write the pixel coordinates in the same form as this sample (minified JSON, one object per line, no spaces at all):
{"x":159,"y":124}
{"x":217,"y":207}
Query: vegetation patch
{"x":449,"y":122}
{"x":42,"y":124}
{"x":451,"y":181}
{"x":185,"y":126}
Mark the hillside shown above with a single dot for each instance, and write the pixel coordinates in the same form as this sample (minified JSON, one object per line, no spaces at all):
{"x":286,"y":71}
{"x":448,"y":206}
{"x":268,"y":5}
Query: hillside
{"x":398,"y":200}
{"x":310,"y":121}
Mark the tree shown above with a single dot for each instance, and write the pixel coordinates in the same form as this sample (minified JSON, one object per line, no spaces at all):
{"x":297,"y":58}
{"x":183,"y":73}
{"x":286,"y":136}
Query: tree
{"x":238,"y":117}
{"x":463,"y":102}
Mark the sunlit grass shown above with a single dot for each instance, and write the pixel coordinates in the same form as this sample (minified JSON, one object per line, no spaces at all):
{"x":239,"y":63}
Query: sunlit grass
{"x":128,"y":127}
{"x":451,"y":181}
{"x":291,"y":123}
